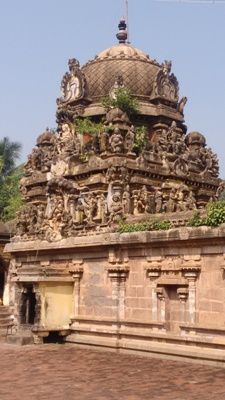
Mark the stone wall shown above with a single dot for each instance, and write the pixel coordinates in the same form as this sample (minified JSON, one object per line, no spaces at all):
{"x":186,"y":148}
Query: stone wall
{"x":132,"y":291}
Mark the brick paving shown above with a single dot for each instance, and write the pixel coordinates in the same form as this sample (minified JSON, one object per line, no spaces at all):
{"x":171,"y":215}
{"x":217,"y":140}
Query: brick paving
{"x":58,"y":372}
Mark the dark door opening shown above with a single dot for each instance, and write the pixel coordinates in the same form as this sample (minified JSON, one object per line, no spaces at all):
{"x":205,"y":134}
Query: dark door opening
{"x":2,"y":281}
{"x":28,"y":306}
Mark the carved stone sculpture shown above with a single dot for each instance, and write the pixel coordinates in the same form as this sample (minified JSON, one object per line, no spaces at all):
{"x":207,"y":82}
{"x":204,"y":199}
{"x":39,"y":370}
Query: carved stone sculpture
{"x":181,"y":105}
{"x":73,"y":84}
{"x":117,"y":85}
{"x":116,"y":212}
{"x":116,"y":141}
{"x":129,"y":140}
{"x":104,"y":142}
{"x":158,"y":201}
{"x":166,"y":84}
{"x":126,"y":200}
{"x":78,"y":183}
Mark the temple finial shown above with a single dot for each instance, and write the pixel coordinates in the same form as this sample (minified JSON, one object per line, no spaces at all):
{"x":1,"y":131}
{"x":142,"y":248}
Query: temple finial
{"x":122,"y":34}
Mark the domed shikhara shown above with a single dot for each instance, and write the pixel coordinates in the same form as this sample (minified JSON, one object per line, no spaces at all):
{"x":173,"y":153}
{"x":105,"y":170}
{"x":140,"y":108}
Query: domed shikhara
{"x":134,"y":66}
{"x":116,"y":164}
{"x":150,"y":82}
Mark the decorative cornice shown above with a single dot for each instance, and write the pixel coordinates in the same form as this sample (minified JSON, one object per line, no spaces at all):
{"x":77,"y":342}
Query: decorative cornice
{"x":75,"y":269}
{"x":191,"y":272}
{"x":183,"y":293}
{"x":153,"y":271}
{"x":160,"y":293}
{"x":118,"y":272}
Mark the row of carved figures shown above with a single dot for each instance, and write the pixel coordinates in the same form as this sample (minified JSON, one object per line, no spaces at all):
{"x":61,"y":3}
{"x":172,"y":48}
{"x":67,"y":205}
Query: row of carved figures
{"x":180,"y":153}
{"x":169,"y":147}
{"x":68,"y":144}
{"x":67,"y":212}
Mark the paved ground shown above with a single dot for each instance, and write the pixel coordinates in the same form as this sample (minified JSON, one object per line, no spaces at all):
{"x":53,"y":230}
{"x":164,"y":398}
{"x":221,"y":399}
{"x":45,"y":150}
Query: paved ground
{"x":58,"y":372}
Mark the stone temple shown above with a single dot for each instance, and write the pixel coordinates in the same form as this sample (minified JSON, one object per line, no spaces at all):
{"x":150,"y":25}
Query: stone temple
{"x":74,"y":271}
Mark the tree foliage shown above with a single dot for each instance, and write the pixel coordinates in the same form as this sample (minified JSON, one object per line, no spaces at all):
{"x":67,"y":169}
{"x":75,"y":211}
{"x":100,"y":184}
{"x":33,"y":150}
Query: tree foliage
{"x":10,"y":175}
{"x":10,"y":196}
{"x":9,"y":154}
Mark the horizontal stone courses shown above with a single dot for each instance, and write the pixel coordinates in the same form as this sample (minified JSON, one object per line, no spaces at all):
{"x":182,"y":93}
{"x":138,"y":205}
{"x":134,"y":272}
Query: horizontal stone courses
{"x":147,"y":339}
{"x":108,"y":239}
{"x":108,"y":321}
{"x":33,"y":278}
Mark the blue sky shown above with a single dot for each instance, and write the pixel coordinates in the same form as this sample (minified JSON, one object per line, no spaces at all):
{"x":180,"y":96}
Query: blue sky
{"x":38,"y":37}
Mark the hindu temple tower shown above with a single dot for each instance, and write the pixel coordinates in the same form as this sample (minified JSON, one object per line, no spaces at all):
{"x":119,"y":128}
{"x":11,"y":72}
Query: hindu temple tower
{"x":103,"y":254}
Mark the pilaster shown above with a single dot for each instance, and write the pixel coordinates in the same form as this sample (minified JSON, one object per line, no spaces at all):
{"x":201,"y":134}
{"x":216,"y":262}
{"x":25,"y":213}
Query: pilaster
{"x":183,"y":296}
{"x":76,"y":271}
{"x":118,"y":276}
{"x":160,"y":292}
{"x":153,"y":273}
{"x":191,"y":273}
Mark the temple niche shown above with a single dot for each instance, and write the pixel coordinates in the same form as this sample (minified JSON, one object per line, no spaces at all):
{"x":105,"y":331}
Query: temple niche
{"x":120,"y":154}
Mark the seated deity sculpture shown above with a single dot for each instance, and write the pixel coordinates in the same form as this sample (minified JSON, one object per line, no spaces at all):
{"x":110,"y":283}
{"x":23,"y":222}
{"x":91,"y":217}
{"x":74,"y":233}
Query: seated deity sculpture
{"x":116,"y":141}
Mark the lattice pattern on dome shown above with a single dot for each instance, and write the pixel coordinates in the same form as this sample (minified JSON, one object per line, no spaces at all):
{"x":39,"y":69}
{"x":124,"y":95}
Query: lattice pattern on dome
{"x":137,"y":76}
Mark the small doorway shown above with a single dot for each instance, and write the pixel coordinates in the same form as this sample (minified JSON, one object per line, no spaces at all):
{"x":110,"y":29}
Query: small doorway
{"x":2,"y":283}
{"x":28,"y":306}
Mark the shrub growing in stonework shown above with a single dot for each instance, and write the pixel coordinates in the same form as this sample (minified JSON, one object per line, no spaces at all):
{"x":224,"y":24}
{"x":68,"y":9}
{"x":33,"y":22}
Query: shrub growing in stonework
{"x":144,"y":226}
{"x":122,"y":99}
{"x":215,"y":215}
{"x":140,"y":140}
{"x":86,"y":126}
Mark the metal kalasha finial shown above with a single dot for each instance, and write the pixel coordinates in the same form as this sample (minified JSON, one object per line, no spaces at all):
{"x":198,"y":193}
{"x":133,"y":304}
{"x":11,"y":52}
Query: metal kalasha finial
{"x":122,"y":34}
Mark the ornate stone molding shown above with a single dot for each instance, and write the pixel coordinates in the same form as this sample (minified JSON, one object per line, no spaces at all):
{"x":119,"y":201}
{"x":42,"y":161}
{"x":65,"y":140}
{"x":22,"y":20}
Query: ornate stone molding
{"x":14,"y":267}
{"x":76,"y":269}
{"x":73,"y":85}
{"x":182,"y":293}
{"x":118,"y":273}
{"x":160,"y":293}
{"x":154,"y":266}
{"x":191,"y":272}
{"x":153,"y":272}
{"x":166,"y":84}
{"x":118,"y":256}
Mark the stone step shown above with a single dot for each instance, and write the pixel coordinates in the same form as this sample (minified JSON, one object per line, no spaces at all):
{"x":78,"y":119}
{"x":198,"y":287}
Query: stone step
{"x":20,"y":338}
{"x":4,"y":316}
{"x":5,"y":309}
{"x":5,"y":322}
